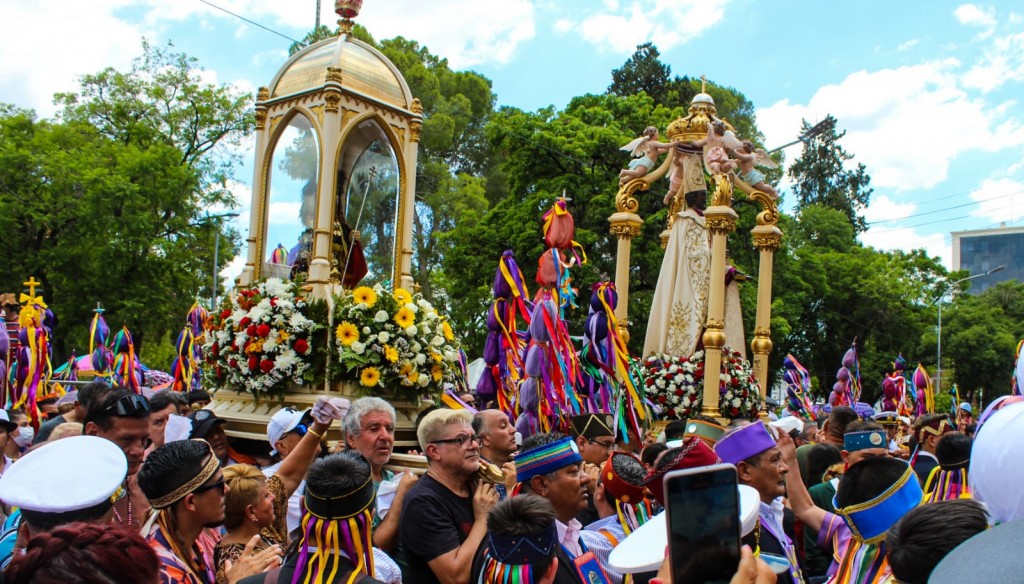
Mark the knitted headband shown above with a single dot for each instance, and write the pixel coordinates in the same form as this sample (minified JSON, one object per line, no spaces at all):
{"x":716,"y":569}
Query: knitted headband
{"x":547,"y":458}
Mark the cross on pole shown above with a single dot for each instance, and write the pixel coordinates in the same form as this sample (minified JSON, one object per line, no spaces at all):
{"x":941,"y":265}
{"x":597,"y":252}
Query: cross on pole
{"x":31,"y":285}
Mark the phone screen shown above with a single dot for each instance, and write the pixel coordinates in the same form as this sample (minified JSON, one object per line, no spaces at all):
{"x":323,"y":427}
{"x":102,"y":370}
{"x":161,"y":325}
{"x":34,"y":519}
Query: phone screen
{"x":704,"y":526}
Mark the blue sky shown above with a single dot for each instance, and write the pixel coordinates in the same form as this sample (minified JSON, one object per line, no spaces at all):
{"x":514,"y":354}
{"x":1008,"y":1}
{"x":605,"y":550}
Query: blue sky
{"x":928,"y":91}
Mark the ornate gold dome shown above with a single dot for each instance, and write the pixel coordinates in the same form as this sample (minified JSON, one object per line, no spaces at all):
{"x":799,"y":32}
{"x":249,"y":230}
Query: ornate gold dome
{"x":364,"y":70}
{"x":695,"y":125}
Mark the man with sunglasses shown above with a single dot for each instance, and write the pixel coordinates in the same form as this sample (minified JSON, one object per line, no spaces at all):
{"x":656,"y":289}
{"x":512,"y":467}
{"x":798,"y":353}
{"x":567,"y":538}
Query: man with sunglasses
{"x":123,"y":418}
{"x":444,"y":515}
{"x":184,"y":483}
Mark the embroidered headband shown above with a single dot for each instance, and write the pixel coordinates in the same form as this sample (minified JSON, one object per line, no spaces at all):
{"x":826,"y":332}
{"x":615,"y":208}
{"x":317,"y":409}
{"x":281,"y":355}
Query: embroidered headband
{"x":592,"y":425}
{"x":854,"y":441}
{"x":870,"y":521}
{"x":518,"y":550}
{"x":206,"y":473}
{"x":701,"y":429}
{"x":936,"y":428}
{"x":341,"y":506}
{"x":547,"y":458}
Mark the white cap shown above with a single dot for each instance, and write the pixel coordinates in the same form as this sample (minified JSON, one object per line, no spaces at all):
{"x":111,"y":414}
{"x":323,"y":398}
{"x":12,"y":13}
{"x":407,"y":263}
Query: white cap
{"x":41,"y":481}
{"x":5,"y":421}
{"x":284,"y":421}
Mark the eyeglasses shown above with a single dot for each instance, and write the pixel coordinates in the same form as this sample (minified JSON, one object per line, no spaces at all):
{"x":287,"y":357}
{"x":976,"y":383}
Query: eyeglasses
{"x":128,"y":405}
{"x":220,"y":485}
{"x":605,"y":445}
{"x":459,"y":440}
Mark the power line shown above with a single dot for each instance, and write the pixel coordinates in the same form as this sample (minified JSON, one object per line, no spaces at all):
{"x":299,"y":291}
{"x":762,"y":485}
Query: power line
{"x":972,"y":203}
{"x":254,"y":23}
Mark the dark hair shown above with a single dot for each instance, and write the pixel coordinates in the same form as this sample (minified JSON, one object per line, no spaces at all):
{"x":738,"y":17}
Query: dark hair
{"x":839,"y":419}
{"x":864,"y":426}
{"x":819,"y":459}
{"x":868,"y":479}
{"x":421,"y":415}
{"x":161,"y":399}
{"x":651,"y":452}
{"x":540,"y":440}
{"x":926,"y":420}
{"x":922,"y":537}
{"x":101,"y":412}
{"x":338,"y":474}
{"x":954,"y":451}
{"x":525,"y":515}
{"x":85,"y":553}
{"x":629,"y":469}
{"x":675,"y":429}
{"x":172,"y":465}
{"x":92,"y":392}
{"x":197,"y":395}
{"x":14,"y":413}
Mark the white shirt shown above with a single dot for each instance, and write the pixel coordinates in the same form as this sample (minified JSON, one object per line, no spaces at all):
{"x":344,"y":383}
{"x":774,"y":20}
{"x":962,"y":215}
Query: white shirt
{"x":294,"y":502}
{"x":570,"y":536}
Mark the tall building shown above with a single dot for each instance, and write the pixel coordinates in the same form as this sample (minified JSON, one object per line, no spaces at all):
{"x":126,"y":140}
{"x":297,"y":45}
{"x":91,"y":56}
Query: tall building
{"x":983,"y":249}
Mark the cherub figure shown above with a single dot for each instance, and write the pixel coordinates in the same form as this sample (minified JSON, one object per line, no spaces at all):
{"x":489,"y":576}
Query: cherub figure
{"x":715,"y":144}
{"x":749,"y":157}
{"x":645,"y":150}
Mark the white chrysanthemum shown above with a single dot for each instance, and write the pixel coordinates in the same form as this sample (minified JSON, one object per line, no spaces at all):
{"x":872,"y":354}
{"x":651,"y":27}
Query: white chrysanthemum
{"x":736,"y":403}
{"x":686,"y":402}
{"x":673,"y":368}
{"x":430,"y":315}
{"x":422,"y":380}
{"x":383,"y":337}
{"x":381,"y":316}
{"x":358,"y":348}
{"x":360,"y":306}
{"x":275,"y":287}
{"x":422,"y":302}
{"x":299,"y":322}
{"x":280,"y":320}
{"x":411,"y":330}
{"x":269,"y":344}
{"x":285,"y":360}
{"x":238,"y":315}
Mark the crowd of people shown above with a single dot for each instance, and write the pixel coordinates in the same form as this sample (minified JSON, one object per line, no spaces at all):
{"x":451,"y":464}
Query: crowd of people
{"x":118,"y":487}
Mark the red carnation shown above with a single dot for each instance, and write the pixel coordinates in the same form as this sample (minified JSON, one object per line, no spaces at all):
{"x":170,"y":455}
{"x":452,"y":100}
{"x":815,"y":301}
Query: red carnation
{"x":215,"y":349}
{"x":246,"y":321}
{"x":234,"y":347}
{"x":273,"y":301}
{"x":661,"y":399}
{"x":301,"y":346}
{"x":251,"y":330}
{"x":671,"y":413}
{"x":266,"y":365}
{"x":679,"y":392}
{"x":225,"y":313}
{"x":254,"y":362}
{"x":232,"y":362}
{"x":262,"y":330}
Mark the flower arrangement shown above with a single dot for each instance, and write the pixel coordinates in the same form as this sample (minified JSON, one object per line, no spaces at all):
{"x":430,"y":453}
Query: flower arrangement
{"x":393,"y":343}
{"x":676,"y":384}
{"x":262,"y":340}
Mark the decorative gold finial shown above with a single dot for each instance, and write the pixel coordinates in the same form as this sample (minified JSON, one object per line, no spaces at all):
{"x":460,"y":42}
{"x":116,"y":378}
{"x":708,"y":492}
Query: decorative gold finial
{"x":347,"y":10}
{"x":703,"y":84}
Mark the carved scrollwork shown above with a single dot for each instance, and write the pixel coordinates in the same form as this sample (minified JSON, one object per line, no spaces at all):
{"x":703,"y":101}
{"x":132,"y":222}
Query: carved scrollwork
{"x":333,"y":75}
{"x":723,"y":190}
{"x":716,"y":323}
{"x":261,"y":118}
{"x":769,"y":214}
{"x":625,"y":201}
{"x":627,"y":230}
{"x":414,"y":130}
{"x":263,"y":94}
{"x":767,"y":241}
{"x":720,"y":225}
{"x":332,"y":101}
{"x":417,"y":106}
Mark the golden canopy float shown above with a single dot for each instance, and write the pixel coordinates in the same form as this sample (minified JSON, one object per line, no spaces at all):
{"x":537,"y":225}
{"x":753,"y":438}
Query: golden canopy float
{"x":337,"y":132}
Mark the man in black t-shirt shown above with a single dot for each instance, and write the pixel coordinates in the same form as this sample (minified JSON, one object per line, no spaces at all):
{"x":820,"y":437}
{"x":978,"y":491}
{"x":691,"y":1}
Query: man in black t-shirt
{"x":444,"y":515}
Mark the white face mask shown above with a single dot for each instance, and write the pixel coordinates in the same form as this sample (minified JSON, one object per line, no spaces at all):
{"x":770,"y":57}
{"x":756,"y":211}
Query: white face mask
{"x":24,"y":436}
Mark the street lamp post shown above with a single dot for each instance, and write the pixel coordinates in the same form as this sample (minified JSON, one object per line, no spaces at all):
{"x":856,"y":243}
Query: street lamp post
{"x":216,"y":255}
{"x":938,"y":345}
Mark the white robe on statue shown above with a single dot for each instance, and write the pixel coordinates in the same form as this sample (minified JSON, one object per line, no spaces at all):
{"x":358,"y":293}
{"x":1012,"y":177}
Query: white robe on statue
{"x":680,"y":306}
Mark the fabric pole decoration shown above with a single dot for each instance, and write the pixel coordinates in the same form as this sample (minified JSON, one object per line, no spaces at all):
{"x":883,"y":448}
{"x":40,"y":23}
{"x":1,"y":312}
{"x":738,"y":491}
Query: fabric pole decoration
{"x":798,"y":388}
{"x":279,"y":256}
{"x":33,"y":370}
{"x":127,"y":370}
{"x":5,"y":367}
{"x":198,"y":319}
{"x":846,"y":390}
{"x":909,"y":390}
{"x":183,"y":368}
{"x":925,"y":392}
{"x":505,"y":348}
{"x":102,"y":356}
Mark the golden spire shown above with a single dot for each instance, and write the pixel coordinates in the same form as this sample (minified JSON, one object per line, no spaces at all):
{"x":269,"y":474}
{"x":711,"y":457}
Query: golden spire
{"x":703,"y":84}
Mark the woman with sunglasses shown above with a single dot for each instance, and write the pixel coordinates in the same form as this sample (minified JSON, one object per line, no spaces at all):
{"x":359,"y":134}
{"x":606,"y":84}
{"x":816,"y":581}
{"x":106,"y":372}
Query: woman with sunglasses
{"x":258,"y":505}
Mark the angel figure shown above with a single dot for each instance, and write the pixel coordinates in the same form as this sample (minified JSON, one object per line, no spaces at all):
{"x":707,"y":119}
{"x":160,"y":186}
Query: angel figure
{"x":715,"y":144}
{"x":645,"y":151}
{"x":749,"y":157}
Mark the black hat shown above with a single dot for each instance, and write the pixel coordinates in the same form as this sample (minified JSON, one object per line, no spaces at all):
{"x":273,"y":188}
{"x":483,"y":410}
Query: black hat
{"x":592,"y":425}
{"x":202,"y":422}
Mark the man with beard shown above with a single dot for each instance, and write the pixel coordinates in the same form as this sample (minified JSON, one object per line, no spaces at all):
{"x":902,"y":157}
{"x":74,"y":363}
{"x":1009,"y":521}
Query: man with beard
{"x":184,"y":484}
{"x":444,"y":515}
{"x":369,"y":428}
{"x":759,"y":464}
{"x":497,"y":442}
{"x":550,"y":466}
{"x":123,"y":418}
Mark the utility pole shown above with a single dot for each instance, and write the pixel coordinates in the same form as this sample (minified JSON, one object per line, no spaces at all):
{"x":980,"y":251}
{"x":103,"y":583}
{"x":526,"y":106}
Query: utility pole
{"x":317,"y":25}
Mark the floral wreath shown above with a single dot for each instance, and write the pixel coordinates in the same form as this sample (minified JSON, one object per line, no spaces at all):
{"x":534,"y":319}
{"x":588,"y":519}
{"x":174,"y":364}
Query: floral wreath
{"x":676,"y":385}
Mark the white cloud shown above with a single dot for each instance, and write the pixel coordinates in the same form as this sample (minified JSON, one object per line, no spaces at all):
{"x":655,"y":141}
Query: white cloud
{"x":974,"y":15}
{"x":562,"y":25}
{"x":1001,"y":62}
{"x":882,"y":208}
{"x":905,"y":124}
{"x":906,"y":239}
{"x":283,"y":213}
{"x":1001,"y":200}
{"x":620,"y":27}
{"x":908,"y":45}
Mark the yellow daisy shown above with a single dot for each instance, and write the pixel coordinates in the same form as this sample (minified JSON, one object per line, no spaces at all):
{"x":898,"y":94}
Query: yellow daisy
{"x":405,"y":318}
{"x":364,"y":295}
{"x":437,"y":357}
{"x":447,"y":329}
{"x":347,"y":333}
{"x":369,"y":377}
{"x":402,"y":296}
{"x":408,"y":372}
{"x":437,"y":373}
{"x":283,"y":336}
{"x":390,"y":353}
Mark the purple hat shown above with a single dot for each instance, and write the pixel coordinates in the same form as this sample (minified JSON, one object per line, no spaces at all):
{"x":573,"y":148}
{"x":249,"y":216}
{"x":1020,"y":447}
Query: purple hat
{"x":742,"y":443}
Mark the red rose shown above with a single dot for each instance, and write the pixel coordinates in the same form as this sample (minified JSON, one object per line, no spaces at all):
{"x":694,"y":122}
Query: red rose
{"x":679,"y":393}
{"x":246,"y":321}
{"x":218,"y":372}
{"x":225,"y":313}
{"x":273,"y":301}
{"x":234,"y":347}
{"x":215,"y":349}
{"x":266,"y":365}
{"x":671,"y":413}
{"x":251,"y":330}
{"x":301,"y":346}
{"x":254,"y":362}
{"x":735,"y":411}
{"x":262,"y":330}
{"x":232,"y":362}
{"x":661,"y":399}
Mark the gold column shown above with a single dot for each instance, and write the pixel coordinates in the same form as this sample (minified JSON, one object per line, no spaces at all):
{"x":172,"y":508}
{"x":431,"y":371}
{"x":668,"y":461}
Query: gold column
{"x":721,"y":221}
{"x":258,"y":188}
{"x":625,"y":224}
{"x":404,"y":271}
{"x":330,"y":134}
{"x":767,"y":239}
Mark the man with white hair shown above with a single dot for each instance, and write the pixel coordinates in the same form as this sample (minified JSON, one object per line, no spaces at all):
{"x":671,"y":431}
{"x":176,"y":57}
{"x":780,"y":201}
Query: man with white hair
{"x":369,"y":429}
{"x":444,"y":515}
